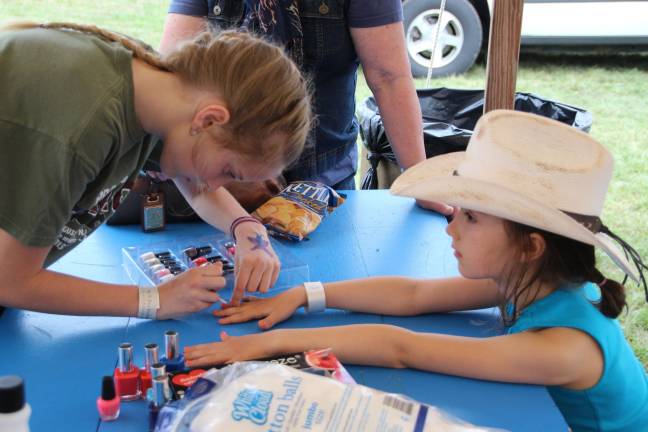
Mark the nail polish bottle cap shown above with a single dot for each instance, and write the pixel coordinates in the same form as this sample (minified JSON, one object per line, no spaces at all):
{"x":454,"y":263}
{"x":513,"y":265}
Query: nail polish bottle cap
{"x":108,"y":388}
{"x":125,"y":357}
{"x":158,"y":369}
{"x":151,"y":355}
{"x":12,"y":394}
{"x":191,"y":252}
{"x":171,"y":344}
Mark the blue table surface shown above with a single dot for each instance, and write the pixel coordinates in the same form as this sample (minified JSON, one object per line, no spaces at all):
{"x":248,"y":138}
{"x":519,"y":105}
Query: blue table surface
{"x":62,"y":358}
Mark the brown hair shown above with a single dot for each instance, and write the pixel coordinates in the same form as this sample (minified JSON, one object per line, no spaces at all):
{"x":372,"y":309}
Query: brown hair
{"x":262,"y":88}
{"x":564,"y":261}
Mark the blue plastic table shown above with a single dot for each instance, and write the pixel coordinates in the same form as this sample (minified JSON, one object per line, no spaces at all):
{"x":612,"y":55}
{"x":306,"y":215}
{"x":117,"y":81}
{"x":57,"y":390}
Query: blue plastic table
{"x":62,"y":358}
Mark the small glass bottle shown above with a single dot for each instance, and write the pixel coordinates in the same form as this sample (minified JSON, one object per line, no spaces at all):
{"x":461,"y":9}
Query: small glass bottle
{"x":158,"y":400}
{"x":172,"y":360}
{"x":151,"y":357}
{"x":108,"y":402}
{"x":14,"y":411}
{"x":127,"y":375}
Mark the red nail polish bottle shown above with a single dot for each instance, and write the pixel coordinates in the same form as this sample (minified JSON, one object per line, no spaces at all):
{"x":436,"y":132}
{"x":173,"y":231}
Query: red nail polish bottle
{"x":127,"y":375}
{"x":200,"y":261}
{"x":151,"y":357}
{"x":108,"y":402}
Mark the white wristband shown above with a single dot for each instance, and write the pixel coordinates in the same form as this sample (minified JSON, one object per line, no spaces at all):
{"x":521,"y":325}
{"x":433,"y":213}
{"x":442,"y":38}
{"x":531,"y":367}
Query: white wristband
{"x":315,"y":296}
{"x":149,"y":302}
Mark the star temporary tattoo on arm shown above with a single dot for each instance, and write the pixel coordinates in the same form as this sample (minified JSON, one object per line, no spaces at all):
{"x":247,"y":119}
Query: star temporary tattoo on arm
{"x":261,"y":243}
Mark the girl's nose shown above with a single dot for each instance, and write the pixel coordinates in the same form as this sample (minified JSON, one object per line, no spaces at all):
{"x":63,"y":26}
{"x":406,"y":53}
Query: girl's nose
{"x":451,"y":229}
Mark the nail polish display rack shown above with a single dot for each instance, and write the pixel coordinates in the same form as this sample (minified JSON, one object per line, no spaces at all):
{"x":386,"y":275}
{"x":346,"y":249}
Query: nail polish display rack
{"x":155,"y":263}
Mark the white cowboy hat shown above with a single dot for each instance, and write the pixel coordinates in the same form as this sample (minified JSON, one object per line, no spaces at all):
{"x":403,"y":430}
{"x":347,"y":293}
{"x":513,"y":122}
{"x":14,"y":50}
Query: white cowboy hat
{"x":527,"y":169}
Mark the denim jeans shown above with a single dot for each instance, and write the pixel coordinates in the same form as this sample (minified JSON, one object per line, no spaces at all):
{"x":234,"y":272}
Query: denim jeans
{"x":331,"y":63}
{"x":346,"y":184}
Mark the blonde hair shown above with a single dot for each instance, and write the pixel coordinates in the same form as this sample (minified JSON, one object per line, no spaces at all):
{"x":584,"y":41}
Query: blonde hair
{"x":262,"y":88}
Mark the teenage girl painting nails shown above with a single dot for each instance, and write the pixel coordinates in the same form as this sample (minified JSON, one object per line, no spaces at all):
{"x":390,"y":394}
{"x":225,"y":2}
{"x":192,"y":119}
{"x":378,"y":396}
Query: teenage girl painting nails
{"x":85,"y":109}
{"x":530,"y":192}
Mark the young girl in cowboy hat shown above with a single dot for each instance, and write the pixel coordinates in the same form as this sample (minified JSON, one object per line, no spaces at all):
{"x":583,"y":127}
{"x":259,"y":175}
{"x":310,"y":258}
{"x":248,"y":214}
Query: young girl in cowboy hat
{"x":530,"y":191}
{"x":85,"y":109}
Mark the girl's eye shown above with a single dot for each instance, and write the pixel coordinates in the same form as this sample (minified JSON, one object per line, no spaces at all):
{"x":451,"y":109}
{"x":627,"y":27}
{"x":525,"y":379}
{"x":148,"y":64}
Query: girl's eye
{"x":469,"y":216}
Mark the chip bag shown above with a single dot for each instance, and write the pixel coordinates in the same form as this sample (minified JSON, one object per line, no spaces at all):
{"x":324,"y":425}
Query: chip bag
{"x":298,"y":209}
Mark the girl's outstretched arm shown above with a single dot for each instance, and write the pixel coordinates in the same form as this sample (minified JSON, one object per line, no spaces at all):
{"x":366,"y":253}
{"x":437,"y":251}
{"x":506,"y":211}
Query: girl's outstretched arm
{"x":392,"y":295}
{"x":388,"y":295}
{"x":547,"y":357}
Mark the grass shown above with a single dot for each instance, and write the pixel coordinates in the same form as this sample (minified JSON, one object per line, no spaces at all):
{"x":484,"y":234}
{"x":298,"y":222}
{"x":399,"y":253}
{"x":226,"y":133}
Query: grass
{"x":614,"y":88}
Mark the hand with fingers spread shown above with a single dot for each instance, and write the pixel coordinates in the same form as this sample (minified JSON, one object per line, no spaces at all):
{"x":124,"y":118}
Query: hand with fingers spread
{"x":268,"y":311}
{"x":257,"y":265}
{"x":229,"y":350}
{"x":190,"y":291}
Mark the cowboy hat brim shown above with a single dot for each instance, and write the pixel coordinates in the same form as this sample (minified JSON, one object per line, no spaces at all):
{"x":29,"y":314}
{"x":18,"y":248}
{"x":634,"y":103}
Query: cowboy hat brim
{"x":433,"y":180}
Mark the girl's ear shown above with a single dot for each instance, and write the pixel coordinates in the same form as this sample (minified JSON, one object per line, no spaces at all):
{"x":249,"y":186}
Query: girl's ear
{"x":210,"y":115}
{"x":537,"y":246}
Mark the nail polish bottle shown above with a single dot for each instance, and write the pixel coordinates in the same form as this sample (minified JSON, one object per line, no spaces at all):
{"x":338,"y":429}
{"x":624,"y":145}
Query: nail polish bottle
{"x":214,"y":258}
{"x":146,"y":256}
{"x":127,"y":374}
{"x":151,"y":357}
{"x":159,"y":369}
{"x":14,"y":412}
{"x":199,"y":261}
{"x":159,"y":399}
{"x":195,"y":252}
{"x":156,"y":268}
{"x":173,"y":360}
{"x":108,"y":402}
{"x":152,"y":261}
{"x":166,"y":278}
{"x":231,"y":248}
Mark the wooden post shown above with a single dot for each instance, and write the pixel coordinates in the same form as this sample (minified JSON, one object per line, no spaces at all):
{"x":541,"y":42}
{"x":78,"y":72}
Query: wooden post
{"x":503,"y":54}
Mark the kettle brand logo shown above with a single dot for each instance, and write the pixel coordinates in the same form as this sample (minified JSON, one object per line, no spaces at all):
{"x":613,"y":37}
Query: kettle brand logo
{"x":253,"y":405}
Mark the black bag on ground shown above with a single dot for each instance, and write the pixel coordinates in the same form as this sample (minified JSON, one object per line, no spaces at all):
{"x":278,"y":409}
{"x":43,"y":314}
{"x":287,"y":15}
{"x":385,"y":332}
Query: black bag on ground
{"x":449,"y":118}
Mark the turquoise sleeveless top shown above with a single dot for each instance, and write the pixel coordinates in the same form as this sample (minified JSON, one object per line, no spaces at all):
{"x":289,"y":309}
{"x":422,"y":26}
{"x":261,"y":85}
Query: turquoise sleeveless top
{"x":619,"y":401}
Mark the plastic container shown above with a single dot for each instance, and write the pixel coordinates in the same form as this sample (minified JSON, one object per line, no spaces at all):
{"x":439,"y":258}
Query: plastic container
{"x":142,"y":267}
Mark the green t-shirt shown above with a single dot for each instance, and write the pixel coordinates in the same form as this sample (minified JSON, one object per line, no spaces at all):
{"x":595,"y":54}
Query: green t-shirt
{"x":70,"y":141}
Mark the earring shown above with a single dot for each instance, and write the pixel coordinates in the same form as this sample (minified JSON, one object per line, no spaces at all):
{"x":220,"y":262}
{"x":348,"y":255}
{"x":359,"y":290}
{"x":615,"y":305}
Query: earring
{"x":193,"y":132}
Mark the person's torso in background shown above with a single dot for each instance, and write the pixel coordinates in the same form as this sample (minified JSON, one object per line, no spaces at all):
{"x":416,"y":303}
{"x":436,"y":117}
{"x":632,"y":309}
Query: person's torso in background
{"x":331,"y":62}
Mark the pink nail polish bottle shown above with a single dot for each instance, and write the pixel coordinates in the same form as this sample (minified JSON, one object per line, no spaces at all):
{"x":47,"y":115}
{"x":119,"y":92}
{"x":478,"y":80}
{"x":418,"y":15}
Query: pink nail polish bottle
{"x":108,"y":402}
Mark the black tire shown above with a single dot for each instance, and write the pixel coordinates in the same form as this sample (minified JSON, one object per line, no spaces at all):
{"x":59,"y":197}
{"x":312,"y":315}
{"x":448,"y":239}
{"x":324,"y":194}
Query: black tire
{"x":464,"y":24}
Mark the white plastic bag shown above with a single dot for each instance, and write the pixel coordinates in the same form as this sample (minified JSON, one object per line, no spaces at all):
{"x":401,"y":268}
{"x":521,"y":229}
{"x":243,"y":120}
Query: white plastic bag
{"x":256,"y":397}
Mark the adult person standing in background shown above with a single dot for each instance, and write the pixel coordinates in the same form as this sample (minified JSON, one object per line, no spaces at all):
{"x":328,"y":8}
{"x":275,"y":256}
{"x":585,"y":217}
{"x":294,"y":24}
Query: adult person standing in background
{"x":328,"y":39}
